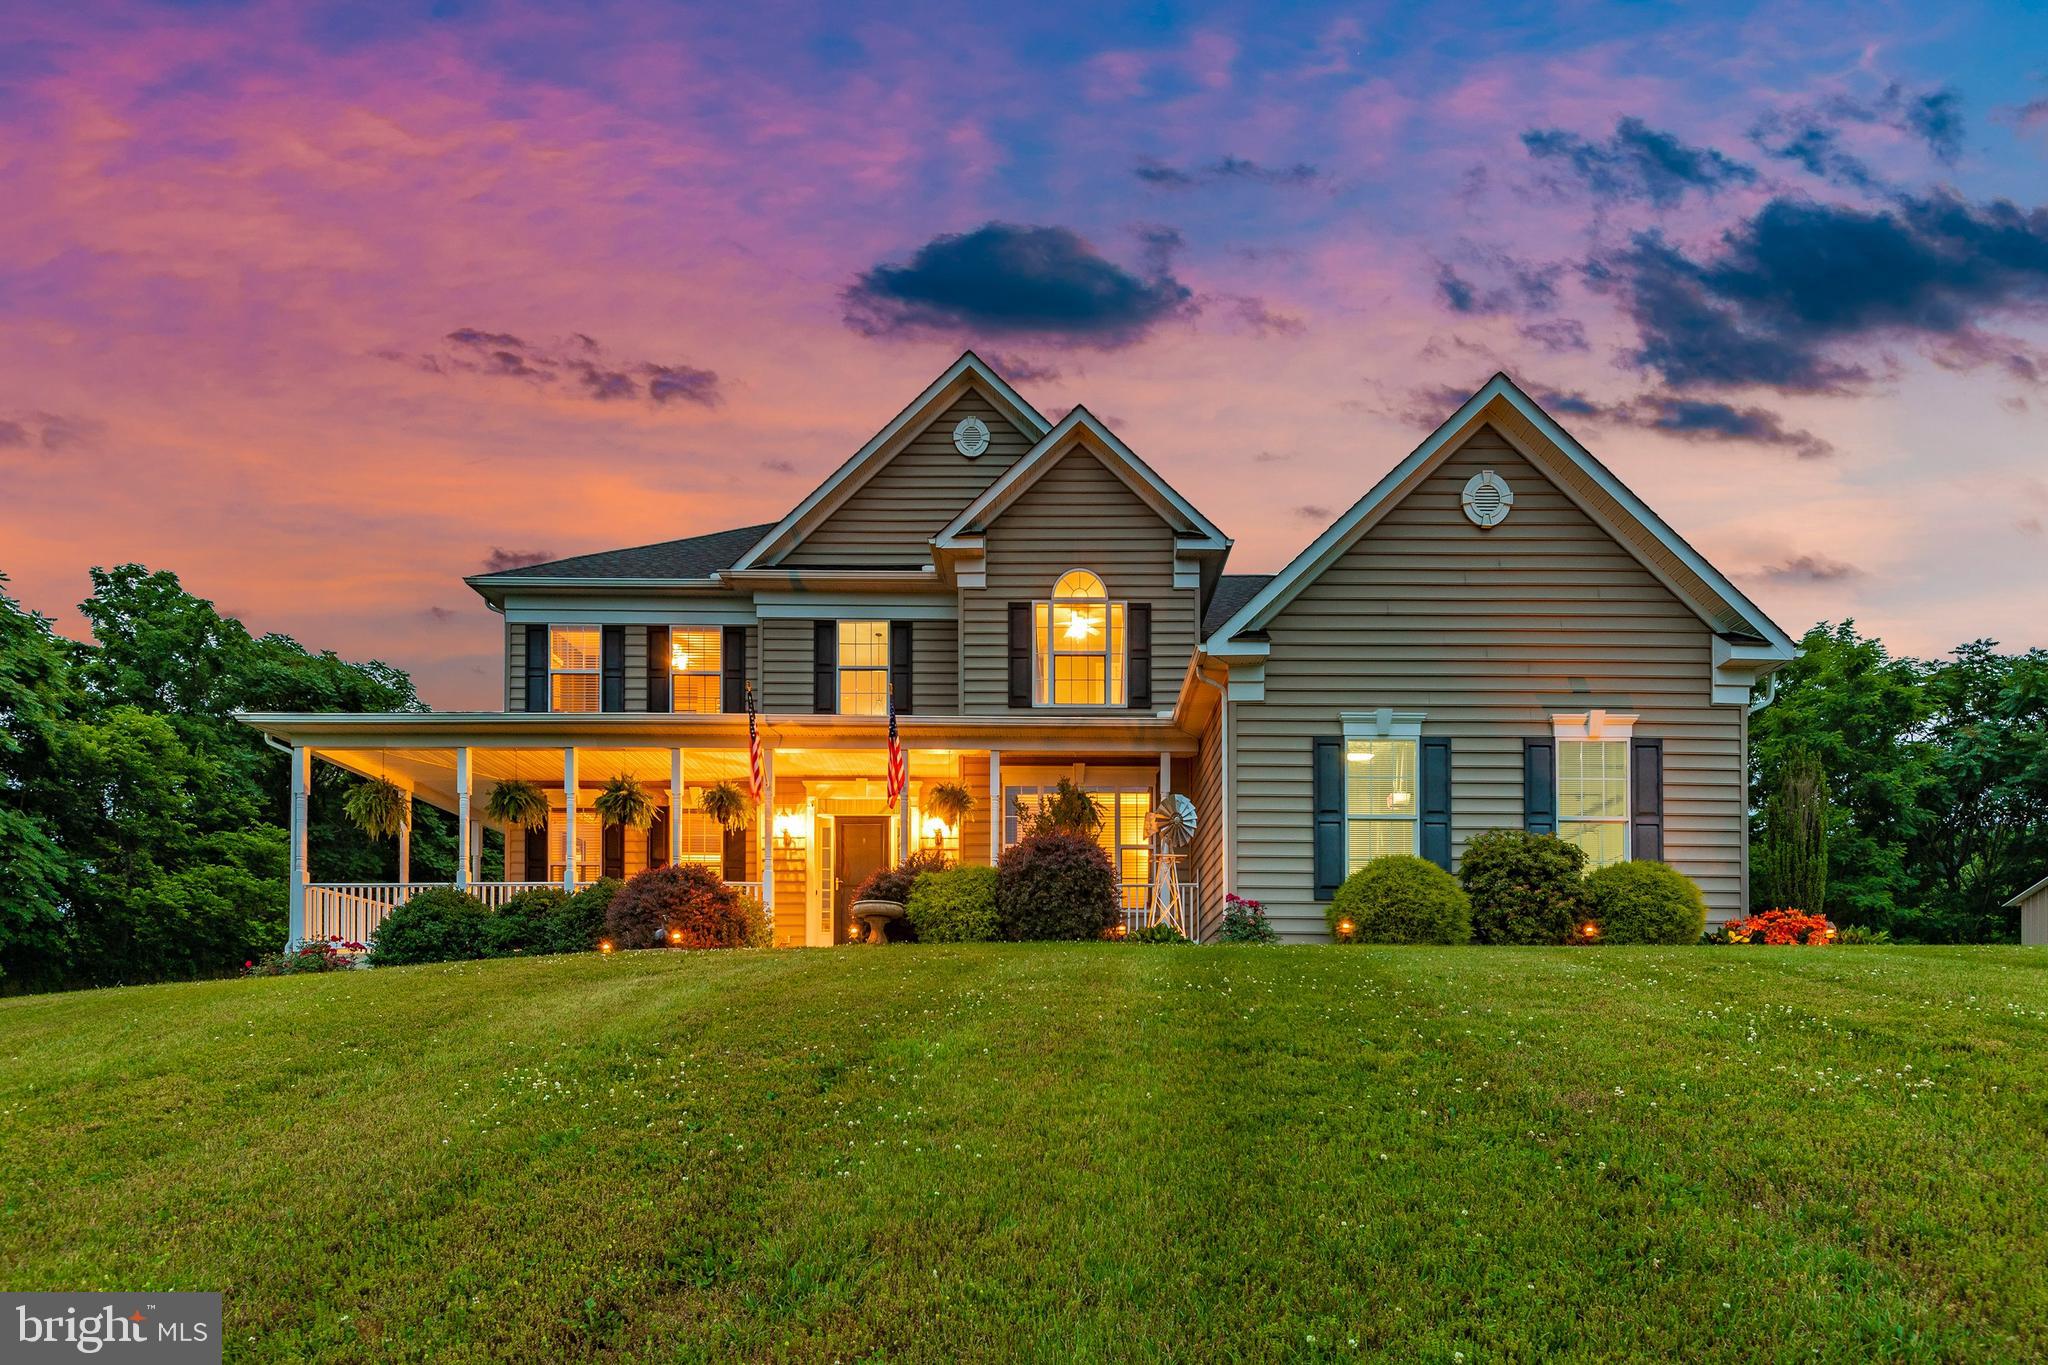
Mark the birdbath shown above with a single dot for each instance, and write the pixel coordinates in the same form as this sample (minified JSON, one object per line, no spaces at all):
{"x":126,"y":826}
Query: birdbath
{"x":876,"y":916}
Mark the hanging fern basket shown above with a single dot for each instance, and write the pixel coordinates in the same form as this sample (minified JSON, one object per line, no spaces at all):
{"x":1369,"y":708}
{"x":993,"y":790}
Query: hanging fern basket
{"x":378,"y":807}
{"x":950,"y":801}
{"x":517,"y":804}
{"x":728,"y":803}
{"x":624,"y":802}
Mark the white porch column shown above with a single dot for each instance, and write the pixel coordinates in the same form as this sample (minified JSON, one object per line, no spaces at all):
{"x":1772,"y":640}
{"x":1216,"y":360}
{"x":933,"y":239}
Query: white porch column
{"x":996,"y":813}
{"x":569,"y":819}
{"x":465,"y":838}
{"x":765,"y":817}
{"x":405,"y":841}
{"x":301,"y":788}
{"x":675,"y":807}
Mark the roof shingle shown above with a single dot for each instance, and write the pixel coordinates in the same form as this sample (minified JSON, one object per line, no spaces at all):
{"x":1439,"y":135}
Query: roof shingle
{"x":691,"y":557}
{"x":1233,"y":590}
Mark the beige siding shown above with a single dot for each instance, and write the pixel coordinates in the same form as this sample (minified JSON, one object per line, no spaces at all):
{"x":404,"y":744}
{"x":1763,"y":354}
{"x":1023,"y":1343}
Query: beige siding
{"x":2034,"y":919}
{"x":785,"y":665}
{"x":889,"y":519}
{"x":974,"y":830}
{"x":1205,"y":855}
{"x":1077,"y":515}
{"x":787,"y":652}
{"x":1489,"y":633}
{"x":790,"y":869}
{"x":515,"y":667}
{"x":935,"y":667}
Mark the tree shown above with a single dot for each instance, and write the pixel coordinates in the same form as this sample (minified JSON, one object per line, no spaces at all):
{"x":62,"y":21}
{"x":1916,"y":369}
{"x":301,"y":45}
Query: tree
{"x":36,"y":701}
{"x":1795,"y":843}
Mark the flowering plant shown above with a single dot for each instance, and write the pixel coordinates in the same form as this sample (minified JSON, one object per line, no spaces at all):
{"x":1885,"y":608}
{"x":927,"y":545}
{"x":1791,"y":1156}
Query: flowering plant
{"x":1244,"y":921}
{"x":1782,"y":926}
{"x":330,"y":954}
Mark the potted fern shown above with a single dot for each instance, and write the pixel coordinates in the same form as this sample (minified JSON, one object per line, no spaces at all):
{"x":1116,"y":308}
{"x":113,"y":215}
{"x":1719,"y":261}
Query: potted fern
{"x":378,"y":807}
{"x":517,"y":804}
{"x":728,"y":804}
{"x":624,"y":802}
{"x":950,"y":801}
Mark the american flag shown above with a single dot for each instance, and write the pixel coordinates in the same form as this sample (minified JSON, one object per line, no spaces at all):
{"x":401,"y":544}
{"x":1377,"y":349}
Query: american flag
{"x":899,"y":757}
{"x":754,"y":748}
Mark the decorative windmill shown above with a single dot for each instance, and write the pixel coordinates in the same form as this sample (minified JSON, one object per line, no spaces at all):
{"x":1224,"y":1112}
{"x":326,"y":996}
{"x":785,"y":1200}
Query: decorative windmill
{"x":1173,"y":825}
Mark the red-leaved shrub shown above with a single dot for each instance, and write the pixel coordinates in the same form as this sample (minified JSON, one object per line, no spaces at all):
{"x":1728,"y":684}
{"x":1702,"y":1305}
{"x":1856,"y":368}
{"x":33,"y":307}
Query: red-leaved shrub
{"x":683,"y":906}
{"x":1781,"y":927}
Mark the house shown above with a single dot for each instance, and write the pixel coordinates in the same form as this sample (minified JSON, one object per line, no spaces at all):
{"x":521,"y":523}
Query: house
{"x":2032,"y":904}
{"x":1498,"y":633}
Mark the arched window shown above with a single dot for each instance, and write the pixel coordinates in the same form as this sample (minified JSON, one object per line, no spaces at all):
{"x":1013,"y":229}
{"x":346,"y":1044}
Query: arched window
{"x":1080,"y":644}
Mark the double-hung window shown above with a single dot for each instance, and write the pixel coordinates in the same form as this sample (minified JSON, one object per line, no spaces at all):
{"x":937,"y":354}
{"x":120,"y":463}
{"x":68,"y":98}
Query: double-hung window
{"x":573,"y":654}
{"x":1078,"y":644}
{"x":1592,"y":784}
{"x":863,"y":668}
{"x":694,"y":656}
{"x":1382,"y":806}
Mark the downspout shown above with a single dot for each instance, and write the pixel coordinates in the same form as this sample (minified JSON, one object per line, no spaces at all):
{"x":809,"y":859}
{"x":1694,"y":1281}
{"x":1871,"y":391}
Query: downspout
{"x":1770,"y":693}
{"x":1223,"y":830}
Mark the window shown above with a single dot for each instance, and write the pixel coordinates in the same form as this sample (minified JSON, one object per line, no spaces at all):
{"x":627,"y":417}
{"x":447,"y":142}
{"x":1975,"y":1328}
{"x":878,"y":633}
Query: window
{"x":1079,"y":644}
{"x":693,"y":660}
{"x":863,"y":668}
{"x":1125,"y":832}
{"x":572,"y":667}
{"x":1592,"y":783}
{"x":1380,"y":806}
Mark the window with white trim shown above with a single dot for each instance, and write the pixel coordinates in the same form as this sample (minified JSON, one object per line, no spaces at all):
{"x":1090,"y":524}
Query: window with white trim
{"x":1125,"y":833}
{"x":1382,"y":806}
{"x":863,"y":668}
{"x":1592,"y":784}
{"x":1078,"y":644}
{"x":694,"y":656}
{"x":573,"y":656}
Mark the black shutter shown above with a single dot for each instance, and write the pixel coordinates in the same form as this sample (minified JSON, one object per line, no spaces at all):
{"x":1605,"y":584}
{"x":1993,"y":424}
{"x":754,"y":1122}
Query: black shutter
{"x":657,"y":839}
{"x":537,"y":668}
{"x":537,"y":852}
{"x":733,"y":659}
{"x":1329,"y":816}
{"x":899,"y":665}
{"x":824,"y":667}
{"x":614,"y":851}
{"x":1020,"y":654}
{"x":612,"y":683}
{"x":1436,"y":802}
{"x":1646,"y":799}
{"x":735,"y":864}
{"x":1539,"y":786}
{"x":657,"y":668}
{"x":1141,"y":655}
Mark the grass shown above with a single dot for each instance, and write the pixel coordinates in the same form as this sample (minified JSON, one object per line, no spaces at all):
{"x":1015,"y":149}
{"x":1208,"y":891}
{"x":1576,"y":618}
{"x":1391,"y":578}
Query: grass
{"x":1057,"y":1153}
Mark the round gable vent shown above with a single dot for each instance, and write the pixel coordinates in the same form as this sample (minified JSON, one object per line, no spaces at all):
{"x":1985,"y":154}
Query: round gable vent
{"x":970,"y":436}
{"x":1488,"y":499}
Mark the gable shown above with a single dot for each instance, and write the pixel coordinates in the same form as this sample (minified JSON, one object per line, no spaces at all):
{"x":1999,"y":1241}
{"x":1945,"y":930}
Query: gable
{"x":888,"y":522}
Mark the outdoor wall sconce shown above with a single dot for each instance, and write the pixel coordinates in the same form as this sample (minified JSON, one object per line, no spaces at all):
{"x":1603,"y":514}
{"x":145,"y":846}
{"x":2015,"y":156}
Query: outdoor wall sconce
{"x":792,"y":827}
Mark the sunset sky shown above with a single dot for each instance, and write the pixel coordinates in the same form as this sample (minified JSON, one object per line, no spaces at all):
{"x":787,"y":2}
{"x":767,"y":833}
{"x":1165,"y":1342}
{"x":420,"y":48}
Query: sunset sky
{"x":324,"y":307}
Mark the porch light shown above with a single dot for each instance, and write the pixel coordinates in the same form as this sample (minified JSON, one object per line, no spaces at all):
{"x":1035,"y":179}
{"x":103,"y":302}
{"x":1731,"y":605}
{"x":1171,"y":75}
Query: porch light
{"x":605,"y":946}
{"x":937,"y":831}
{"x":791,"y":827}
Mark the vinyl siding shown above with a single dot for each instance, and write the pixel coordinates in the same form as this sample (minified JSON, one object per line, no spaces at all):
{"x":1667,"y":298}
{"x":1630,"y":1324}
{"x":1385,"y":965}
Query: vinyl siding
{"x":1488,"y":633}
{"x":515,"y":667}
{"x":974,"y":830}
{"x":785,"y":665}
{"x":2034,"y":919}
{"x":1206,"y":851}
{"x":890,"y":519}
{"x":1077,"y":515}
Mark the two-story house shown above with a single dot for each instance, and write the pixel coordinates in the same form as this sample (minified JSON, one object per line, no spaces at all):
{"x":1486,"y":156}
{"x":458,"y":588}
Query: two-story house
{"x":1499,"y":633}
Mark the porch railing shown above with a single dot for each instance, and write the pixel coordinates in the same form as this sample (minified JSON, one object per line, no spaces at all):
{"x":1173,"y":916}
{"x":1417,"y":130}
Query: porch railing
{"x":351,"y":911}
{"x":1137,"y":903}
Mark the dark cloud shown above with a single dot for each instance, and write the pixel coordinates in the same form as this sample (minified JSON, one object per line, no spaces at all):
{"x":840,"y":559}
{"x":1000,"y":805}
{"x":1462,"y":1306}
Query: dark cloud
{"x":1810,"y":569}
{"x":1689,"y":419}
{"x":1556,"y":335}
{"x":1638,"y":163}
{"x":1314,"y":511}
{"x":1019,"y":369}
{"x":1020,"y":280}
{"x":1559,"y":403}
{"x":1518,"y":286}
{"x":579,"y":360}
{"x":1160,"y":175}
{"x":1271,"y":457}
{"x":779,"y":466}
{"x":13,"y":434}
{"x":2032,"y":114}
{"x":1789,"y":291}
{"x":1261,"y":319}
{"x":499,"y":560}
{"x":439,"y":614}
{"x":1810,"y":134}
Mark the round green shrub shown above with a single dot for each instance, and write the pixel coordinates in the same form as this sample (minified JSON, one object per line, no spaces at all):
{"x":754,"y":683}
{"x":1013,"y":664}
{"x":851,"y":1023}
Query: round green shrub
{"x":1646,"y":902}
{"x":684,"y":906}
{"x":894,"y":883}
{"x":437,"y":925}
{"x":1525,"y":888}
{"x":578,"y":921}
{"x":956,"y":906}
{"x":1401,"y":899}
{"x":524,"y":924}
{"x":1055,"y":886}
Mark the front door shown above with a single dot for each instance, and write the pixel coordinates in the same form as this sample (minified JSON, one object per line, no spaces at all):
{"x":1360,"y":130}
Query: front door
{"x":860,"y":848}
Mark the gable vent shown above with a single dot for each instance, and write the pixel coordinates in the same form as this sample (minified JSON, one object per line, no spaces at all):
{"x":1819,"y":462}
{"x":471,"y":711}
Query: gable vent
{"x":1487,"y":499}
{"x":970,"y":436}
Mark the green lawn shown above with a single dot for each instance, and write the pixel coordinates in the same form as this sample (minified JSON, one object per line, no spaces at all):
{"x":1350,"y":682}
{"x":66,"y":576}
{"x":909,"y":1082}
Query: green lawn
{"x":1059,"y":1152}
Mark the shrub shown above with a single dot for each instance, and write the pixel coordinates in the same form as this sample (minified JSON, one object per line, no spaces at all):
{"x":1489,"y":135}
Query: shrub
{"x":1066,"y":809}
{"x":437,"y":925}
{"x":1782,"y":927}
{"x":1055,"y":886}
{"x":1525,"y":888}
{"x":1163,"y":932}
{"x":521,"y":925}
{"x":894,"y":883}
{"x":330,"y":954}
{"x":1858,"y":935}
{"x":1245,"y":921}
{"x":578,"y":922}
{"x":686,"y":906}
{"x":954,"y":907}
{"x":1400,"y":899}
{"x":1645,"y":902}
{"x":759,"y":932}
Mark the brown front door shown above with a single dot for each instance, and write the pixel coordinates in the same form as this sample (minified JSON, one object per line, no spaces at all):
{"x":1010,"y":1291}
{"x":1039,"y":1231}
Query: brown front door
{"x":860,"y":847}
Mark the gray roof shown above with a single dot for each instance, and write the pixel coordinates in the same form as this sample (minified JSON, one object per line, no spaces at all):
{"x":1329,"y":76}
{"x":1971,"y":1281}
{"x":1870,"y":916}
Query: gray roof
{"x":1233,"y":590}
{"x":691,"y":557}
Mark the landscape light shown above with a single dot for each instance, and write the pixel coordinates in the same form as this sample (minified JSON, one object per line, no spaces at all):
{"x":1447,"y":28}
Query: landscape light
{"x":1590,"y":929}
{"x":675,"y":936}
{"x":1345,"y":928}
{"x":605,"y":946}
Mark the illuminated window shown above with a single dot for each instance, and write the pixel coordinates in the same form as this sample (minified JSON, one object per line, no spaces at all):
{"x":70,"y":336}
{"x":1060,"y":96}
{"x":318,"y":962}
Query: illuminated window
{"x":572,"y":667}
{"x":1379,"y":799}
{"x":863,"y":668}
{"x":1592,"y":798}
{"x":1079,"y":647}
{"x":1125,"y":832}
{"x":694,"y":676}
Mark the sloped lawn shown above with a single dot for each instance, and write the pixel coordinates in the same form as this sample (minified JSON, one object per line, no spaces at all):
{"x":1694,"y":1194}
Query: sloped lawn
{"x":1057,"y":1153}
